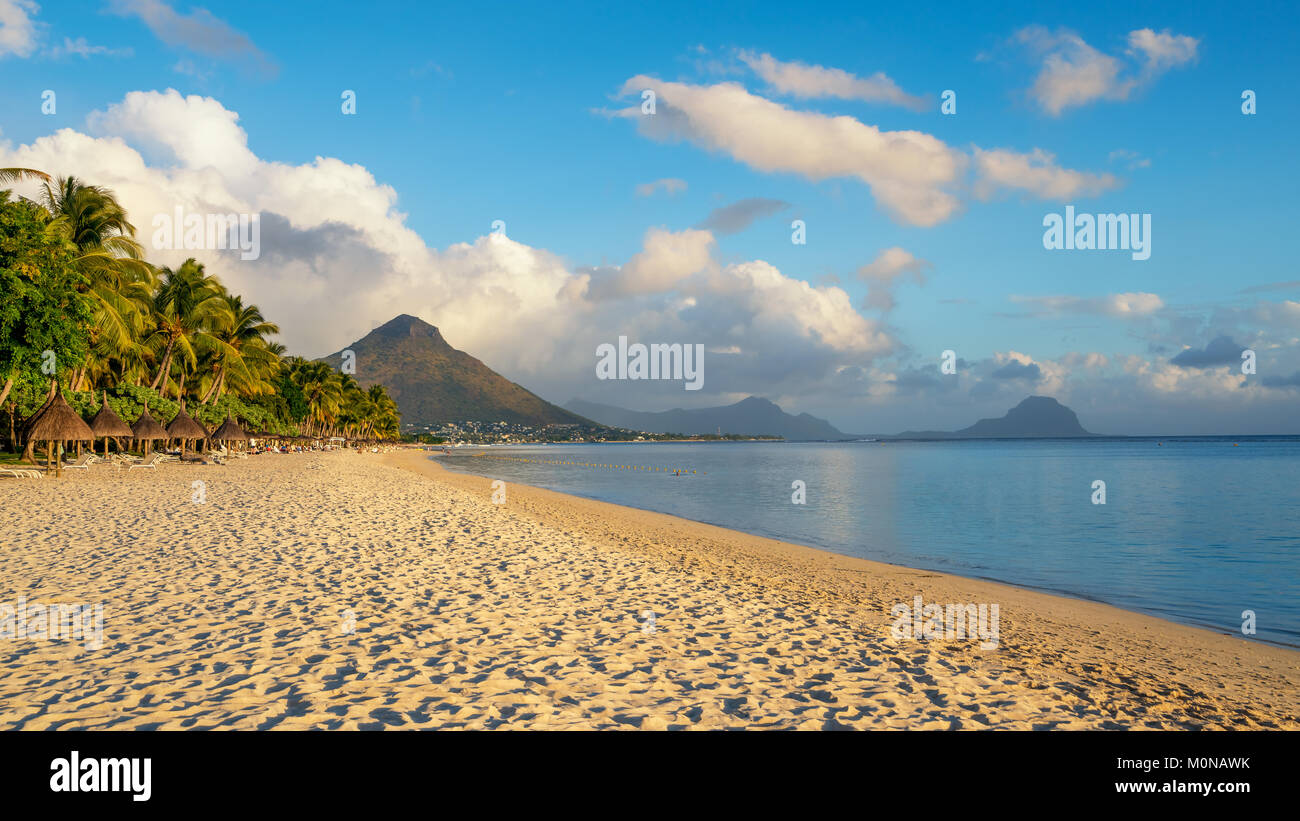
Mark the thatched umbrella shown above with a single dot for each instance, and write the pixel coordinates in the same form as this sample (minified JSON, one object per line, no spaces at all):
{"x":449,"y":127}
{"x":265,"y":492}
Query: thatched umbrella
{"x":57,"y":422}
{"x":184,"y":427}
{"x":259,"y":435}
{"x":146,"y":429}
{"x":26,"y":423}
{"x":106,"y":424}
{"x":229,"y":432}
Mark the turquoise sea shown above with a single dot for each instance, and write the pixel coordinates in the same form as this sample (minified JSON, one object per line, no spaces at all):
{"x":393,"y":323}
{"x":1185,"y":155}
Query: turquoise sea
{"x":1196,"y":530}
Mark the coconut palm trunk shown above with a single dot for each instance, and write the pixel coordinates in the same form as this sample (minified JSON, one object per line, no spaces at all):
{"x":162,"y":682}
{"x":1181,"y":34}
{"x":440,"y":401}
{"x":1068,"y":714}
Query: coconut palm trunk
{"x":164,"y":369}
{"x":215,"y":389}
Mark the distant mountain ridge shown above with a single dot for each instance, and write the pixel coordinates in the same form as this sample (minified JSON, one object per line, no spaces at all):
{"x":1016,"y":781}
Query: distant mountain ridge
{"x":1035,"y":417}
{"x":753,"y":416}
{"x":432,"y":382}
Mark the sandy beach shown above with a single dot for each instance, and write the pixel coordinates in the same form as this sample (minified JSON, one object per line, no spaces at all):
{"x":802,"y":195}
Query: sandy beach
{"x":373,"y":591}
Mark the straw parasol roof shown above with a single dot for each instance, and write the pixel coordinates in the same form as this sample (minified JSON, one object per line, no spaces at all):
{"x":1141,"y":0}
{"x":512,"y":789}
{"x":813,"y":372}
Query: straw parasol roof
{"x":146,"y":428}
{"x":107,"y":423}
{"x":229,"y":430}
{"x":58,"y":422}
{"x":183,"y":426}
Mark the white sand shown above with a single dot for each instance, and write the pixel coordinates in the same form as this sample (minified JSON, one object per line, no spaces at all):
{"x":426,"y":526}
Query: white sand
{"x":229,"y":614}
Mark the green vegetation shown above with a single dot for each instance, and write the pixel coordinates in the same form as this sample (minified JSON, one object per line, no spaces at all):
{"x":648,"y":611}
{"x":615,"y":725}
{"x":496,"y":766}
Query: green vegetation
{"x":423,"y":439}
{"x":81,"y":305}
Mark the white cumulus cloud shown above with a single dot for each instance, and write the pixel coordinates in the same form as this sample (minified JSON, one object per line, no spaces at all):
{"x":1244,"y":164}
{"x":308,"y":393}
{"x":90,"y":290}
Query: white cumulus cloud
{"x":18,"y":31}
{"x":337,"y":259}
{"x":1074,"y":73}
{"x":913,"y":175}
{"x":885,"y":270}
{"x":1035,"y":173}
{"x":1123,"y":306}
{"x":813,"y":81}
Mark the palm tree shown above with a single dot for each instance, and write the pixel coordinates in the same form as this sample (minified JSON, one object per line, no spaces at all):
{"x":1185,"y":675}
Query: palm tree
{"x":159,"y":325}
{"x":20,"y":174}
{"x":321,"y":388}
{"x":384,"y":418}
{"x":117,"y":280}
{"x":187,"y":306}
{"x":242,"y":356}
{"x":91,"y":218}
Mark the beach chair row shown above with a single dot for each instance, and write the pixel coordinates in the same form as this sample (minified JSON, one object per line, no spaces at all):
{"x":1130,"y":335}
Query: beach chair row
{"x":131,"y":462}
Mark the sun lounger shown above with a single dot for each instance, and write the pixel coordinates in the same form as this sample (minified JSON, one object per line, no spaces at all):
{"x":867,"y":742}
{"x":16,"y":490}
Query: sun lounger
{"x":21,"y":473}
{"x":83,"y":463}
{"x":152,"y":462}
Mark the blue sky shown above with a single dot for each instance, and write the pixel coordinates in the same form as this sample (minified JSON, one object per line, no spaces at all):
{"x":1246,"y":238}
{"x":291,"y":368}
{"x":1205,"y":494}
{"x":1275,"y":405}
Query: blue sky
{"x":474,"y":115}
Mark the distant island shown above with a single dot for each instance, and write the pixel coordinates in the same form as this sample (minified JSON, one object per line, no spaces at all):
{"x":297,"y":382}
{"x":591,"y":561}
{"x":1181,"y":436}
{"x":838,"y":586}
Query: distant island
{"x":752,"y":416}
{"x":1035,"y":417}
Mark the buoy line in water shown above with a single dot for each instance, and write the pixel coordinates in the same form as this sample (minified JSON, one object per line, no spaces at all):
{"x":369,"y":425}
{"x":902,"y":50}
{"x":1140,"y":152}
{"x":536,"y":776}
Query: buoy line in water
{"x":569,"y":463}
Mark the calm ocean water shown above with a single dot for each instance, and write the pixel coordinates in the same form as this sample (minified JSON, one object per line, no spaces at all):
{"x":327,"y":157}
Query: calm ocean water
{"x":1193,"y":530}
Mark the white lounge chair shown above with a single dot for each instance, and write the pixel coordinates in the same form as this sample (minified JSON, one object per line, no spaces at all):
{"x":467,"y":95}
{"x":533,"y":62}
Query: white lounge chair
{"x":21,"y":473}
{"x":151,"y":462}
{"x":83,"y":463}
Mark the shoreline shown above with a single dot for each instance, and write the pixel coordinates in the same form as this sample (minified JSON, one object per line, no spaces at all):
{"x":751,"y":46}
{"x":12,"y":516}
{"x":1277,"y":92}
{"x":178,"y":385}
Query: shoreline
{"x":870,"y":564}
{"x":1018,"y":586}
{"x":347,"y":591}
{"x":1067,"y":620}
